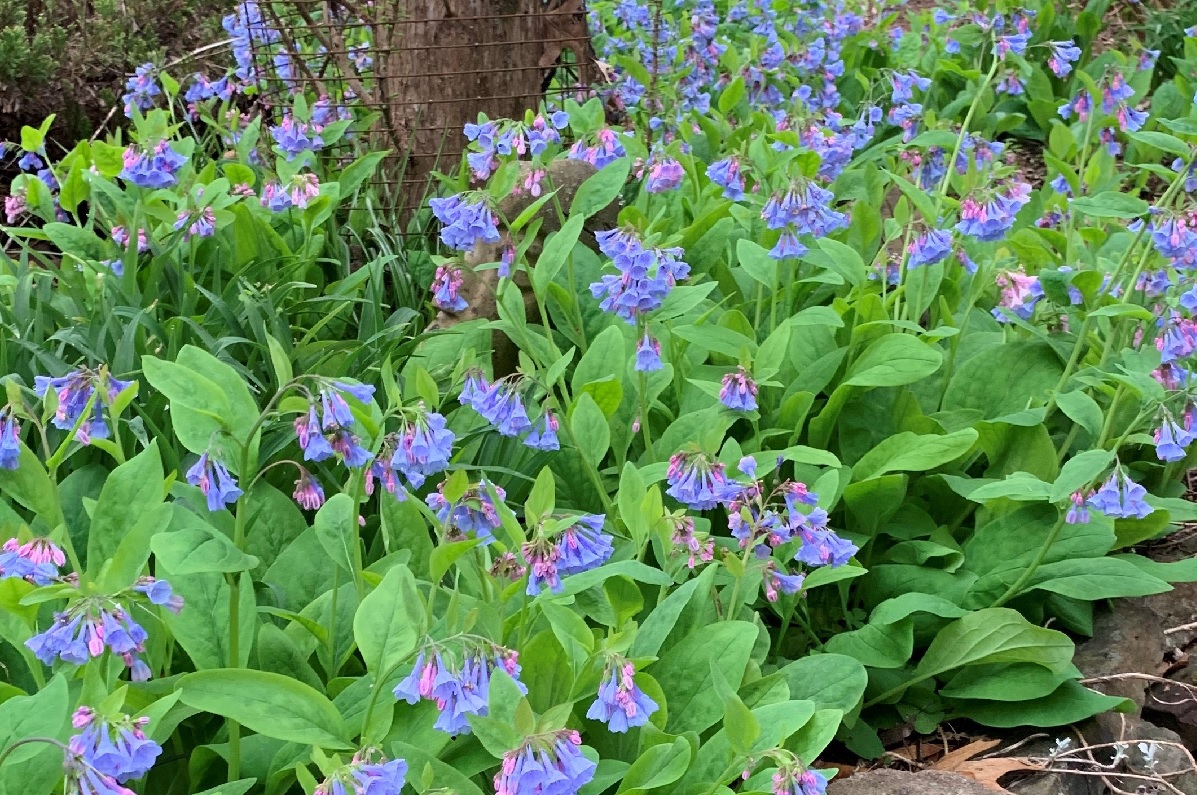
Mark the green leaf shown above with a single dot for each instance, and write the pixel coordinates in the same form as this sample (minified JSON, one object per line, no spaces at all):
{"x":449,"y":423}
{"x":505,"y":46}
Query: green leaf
{"x":1162,"y":141}
{"x":29,"y":485}
{"x":1004,"y":682}
{"x":270,"y":704}
{"x":877,"y":645}
{"x":1109,"y":204}
{"x":660,"y":622}
{"x":576,"y":583}
{"x":556,"y":251}
{"x":684,"y":673}
{"x":590,"y":429}
{"x":738,"y":721}
{"x":994,"y":635}
{"x":131,"y":490}
{"x":335,"y":527}
{"x":600,"y":189}
{"x":389,"y":621}
{"x":658,"y":766}
{"x":496,"y":736}
{"x":541,"y":499}
{"x":829,"y":681}
{"x":756,"y":262}
{"x":1081,"y":409}
{"x":443,"y":775}
{"x":44,"y":714}
{"x":1080,"y":471}
{"x":445,"y":555}
{"x":194,"y":547}
{"x":1123,"y":310}
{"x":1070,"y":703}
{"x":128,"y":562}
{"x":894,"y":360}
{"x":1091,"y":579}
{"x":1001,"y":380}
{"x":910,"y":452}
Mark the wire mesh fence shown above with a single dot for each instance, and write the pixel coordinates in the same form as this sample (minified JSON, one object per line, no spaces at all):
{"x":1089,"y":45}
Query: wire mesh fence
{"x":423,"y":68}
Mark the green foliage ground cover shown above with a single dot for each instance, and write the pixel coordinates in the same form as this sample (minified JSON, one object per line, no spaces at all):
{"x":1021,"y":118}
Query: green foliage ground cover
{"x":820,"y":439}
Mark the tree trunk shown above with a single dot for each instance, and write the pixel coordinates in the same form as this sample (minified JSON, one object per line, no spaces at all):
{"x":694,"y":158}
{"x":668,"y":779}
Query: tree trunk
{"x":441,"y":62}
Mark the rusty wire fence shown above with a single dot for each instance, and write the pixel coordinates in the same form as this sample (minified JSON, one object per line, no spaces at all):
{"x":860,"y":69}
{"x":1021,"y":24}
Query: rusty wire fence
{"x":422,"y":69}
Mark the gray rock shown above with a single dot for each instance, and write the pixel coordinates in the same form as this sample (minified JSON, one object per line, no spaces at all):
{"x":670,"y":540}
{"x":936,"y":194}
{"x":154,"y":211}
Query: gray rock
{"x":1127,"y":639}
{"x":1056,"y":784}
{"x":897,"y":782}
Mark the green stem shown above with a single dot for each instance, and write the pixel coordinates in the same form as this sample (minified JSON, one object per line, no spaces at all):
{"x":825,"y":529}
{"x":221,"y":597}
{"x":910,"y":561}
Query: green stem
{"x":1030,"y":570}
{"x":644,"y":423}
{"x":29,"y":741}
{"x":733,"y":607}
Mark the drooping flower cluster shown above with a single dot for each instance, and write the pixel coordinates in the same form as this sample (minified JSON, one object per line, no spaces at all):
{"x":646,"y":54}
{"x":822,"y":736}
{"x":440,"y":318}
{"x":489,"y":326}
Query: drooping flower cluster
{"x":696,"y":481}
{"x":75,"y":392}
{"x":502,"y":405}
{"x":368,"y":773}
{"x":805,"y":208}
{"x":445,"y":287}
{"x":329,"y":433}
{"x":579,"y":546}
{"x":663,"y":173}
{"x":140,"y":90}
{"x":106,"y":754}
{"x":91,"y":624}
{"x":215,"y":481}
{"x":456,"y":676}
{"x":152,"y":168}
{"x":728,"y":174}
{"x":738,"y":390}
{"x":684,"y":537}
{"x":1020,"y":294}
{"x":991,"y":220}
{"x":645,"y":274}
{"x":606,"y":149}
{"x":294,"y":137}
{"x":545,"y":764}
{"x":466,"y":220}
{"x":197,"y":224}
{"x":1171,"y":438}
{"x":621,"y":704}
{"x":1120,"y":497}
{"x":929,"y":248}
{"x":37,"y":560}
{"x":474,"y":512}
{"x":421,"y":447}
{"x":648,"y":354}
{"x":792,"y":778}
{"x":492,"y":140}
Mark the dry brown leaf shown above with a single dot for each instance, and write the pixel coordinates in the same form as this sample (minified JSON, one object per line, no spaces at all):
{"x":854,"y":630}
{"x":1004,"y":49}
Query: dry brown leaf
{"x":985,"y":772}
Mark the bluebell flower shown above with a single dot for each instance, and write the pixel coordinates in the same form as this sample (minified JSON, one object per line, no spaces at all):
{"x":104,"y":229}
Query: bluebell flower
{"x":459,"y":688}
{"x":152,"y":168}
{"x":1078,"y":513}
{"x":621,"y":704}
{"x":1063,"y":55}
{"x":1120,"y":497}
{"x":445,"y":286}
{"x":73,"y":392}
{"x":37,"y":560}
{"x":10,"y":440}
{"x":904,"y":85}
{"x":140,"y":90}
{"x":311,"y":437}
{"x":1171,"y":439}
{"x":545,"y":764}
{"x":727,"y":174}
{"x":335,"y":411}
{"x":502,"y":407}
{"x":474,"y":513}
{"x":309,"y":494}
{"x":929,"y":248}
{"x":119,"y":749}
{"x":992,"y":220}
{"x":648,"y":354}
{"x":822,"y":547}
{"x":645,"y":275}
{"x":1015,"y":43}
{"x":584,"y":545}
{"x":348,"y":448}
{"x":465,"y":223}
{"x":788,"y":246}
{"x":543,"y":435}
{"x":738,"y":391}
{"x":424,"y":448}
{"x":159,"y":592}
{"x":777,"y":582}
{"x":87,"y":628}
{"x":295,"y":137}
{"x":275,"y":197}
{"x":29,"y":161}
{"x":698,"y":482}
{"x":366,"y":774}
{"x":664,"y":174}
{"x":215,"y":481}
